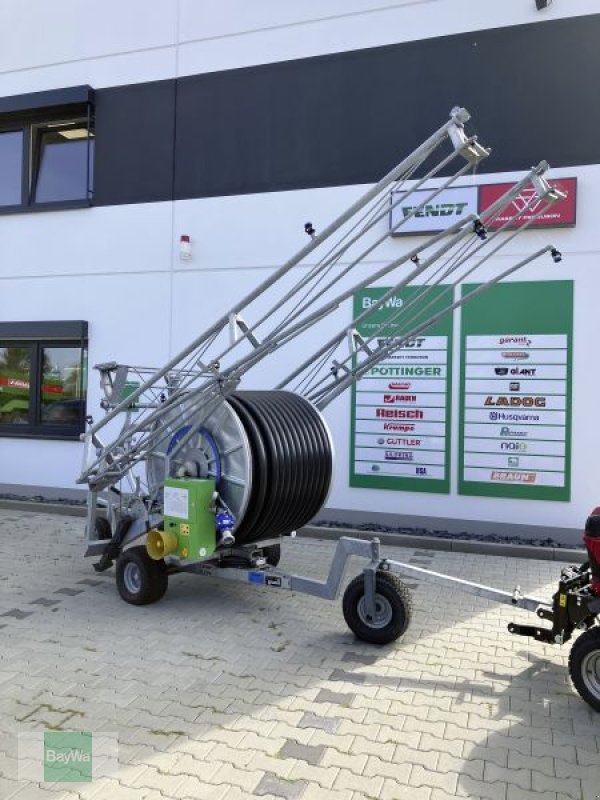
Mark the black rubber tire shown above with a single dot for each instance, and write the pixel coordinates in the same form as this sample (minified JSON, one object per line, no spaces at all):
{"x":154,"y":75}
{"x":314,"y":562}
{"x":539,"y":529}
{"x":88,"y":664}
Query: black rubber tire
{"x":273,"y":554}
{"x":153,"y":578}
{"x":586,"y":647}
{"x":392,"y":597}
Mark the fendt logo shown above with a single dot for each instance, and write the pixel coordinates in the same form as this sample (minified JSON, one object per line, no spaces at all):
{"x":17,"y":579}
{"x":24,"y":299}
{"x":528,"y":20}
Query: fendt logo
{"x":436,"y":210}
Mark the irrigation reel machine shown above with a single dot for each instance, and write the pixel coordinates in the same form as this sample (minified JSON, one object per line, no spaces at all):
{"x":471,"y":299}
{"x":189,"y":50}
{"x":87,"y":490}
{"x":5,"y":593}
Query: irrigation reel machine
{"x":201,"y":476}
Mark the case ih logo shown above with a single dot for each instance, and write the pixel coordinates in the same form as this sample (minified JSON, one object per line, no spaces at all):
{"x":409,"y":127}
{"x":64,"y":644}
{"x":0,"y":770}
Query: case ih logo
{"x":559,"y":215}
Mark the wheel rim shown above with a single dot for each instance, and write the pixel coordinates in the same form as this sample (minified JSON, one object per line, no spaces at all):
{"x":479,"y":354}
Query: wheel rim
{"x":132,"y":578}
{"x":383,"y":612}
{"x":590,"y":672}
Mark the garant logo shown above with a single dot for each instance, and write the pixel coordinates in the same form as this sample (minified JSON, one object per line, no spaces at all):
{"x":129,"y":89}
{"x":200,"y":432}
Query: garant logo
{"x":399,"y":387}
{"x":506,"y":431}
{"x":399,"y":455}
{"x":521,"y":446}
{"x":437,"y":210}
{"x":517,"y":341}
{"x":393,"y":302}
{"x":515,"y":355}
{"x":525,"y":402}
{"x":399,"y":413}
{"x":399,"y":398}
{"x":398,"y":427}
{"x":513,"y":477}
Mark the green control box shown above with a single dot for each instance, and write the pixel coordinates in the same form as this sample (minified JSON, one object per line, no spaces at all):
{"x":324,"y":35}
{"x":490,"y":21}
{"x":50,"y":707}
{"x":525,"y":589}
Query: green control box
{"x":188,"y":515}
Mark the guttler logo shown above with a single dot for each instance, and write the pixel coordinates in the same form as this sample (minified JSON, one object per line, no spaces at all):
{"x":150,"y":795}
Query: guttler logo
{"x":67,"y":757}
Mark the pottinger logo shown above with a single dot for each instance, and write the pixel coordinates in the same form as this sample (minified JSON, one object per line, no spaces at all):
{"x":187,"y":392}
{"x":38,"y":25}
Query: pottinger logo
{"x":515,"y":355}
{"x":399,"y":398}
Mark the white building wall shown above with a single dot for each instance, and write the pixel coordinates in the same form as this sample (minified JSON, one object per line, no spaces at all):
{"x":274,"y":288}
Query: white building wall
{"x":118,"y":267}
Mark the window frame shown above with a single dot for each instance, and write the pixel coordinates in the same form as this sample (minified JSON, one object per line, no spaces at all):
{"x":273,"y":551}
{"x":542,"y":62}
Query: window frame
{"x":35,"y":428}
{"x":32,"y":125}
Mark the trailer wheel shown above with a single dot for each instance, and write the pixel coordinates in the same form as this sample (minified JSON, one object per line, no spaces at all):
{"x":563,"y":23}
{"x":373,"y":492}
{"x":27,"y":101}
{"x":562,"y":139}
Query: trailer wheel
{"x":584,"y":666}
{"x":392,"y":609}
{"x":140,"y":579}
{"x":273,"y":554}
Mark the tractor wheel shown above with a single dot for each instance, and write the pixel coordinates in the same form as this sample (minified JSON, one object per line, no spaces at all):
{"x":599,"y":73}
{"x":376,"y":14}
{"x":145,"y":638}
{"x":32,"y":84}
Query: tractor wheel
{"x":140,"y":579}
{"x":392,"y":609}
{"x":584,"y":666}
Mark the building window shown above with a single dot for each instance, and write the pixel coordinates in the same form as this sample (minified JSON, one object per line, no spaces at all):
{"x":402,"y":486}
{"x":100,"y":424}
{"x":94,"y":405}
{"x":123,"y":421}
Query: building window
{"x":47,"y":152}
{"x":43,"y":380}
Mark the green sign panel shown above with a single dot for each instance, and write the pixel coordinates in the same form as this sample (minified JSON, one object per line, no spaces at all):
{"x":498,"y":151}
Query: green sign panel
{"x":515,"y":417}
{"x":401,"y":410}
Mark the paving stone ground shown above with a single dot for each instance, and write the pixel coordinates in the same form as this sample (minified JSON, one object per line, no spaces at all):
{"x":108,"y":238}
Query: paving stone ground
{"x":225,"y":691}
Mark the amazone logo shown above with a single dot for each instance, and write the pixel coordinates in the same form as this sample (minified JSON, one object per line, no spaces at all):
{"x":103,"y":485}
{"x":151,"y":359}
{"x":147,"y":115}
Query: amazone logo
{"x":438,"y":210}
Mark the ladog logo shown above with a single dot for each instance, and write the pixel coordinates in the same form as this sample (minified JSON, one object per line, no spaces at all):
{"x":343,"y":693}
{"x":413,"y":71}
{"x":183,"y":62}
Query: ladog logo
{"x":515,"y":355}
{"x":399,"y":455}
{"x":399,"y":413}
{"x":524,"y":402}
{"x":399,"y":398}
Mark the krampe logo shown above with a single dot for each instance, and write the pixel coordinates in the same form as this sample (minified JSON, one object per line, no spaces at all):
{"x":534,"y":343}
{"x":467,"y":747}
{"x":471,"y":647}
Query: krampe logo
{"x":67,"y":757}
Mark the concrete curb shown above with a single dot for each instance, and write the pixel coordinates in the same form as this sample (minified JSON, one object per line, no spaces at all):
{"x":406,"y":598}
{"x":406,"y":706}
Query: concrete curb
{"x":451,"y":545}
{"x":577,"y":556}
{"x":43,"y":508}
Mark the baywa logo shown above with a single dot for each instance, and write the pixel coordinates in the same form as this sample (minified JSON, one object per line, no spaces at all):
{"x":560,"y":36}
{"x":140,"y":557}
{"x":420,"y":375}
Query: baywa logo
{"x":392,"y":302}
{"x":436,"y":210}
{"x":506,"y":431}
{"x":67,"y":757}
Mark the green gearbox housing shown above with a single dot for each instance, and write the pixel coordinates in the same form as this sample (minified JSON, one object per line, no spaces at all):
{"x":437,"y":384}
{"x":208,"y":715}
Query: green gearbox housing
{"x":189,"y":514}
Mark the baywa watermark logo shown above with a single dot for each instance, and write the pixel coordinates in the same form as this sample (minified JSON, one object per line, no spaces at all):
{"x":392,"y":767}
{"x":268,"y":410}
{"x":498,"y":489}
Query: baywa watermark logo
{"x":67,"y":756}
